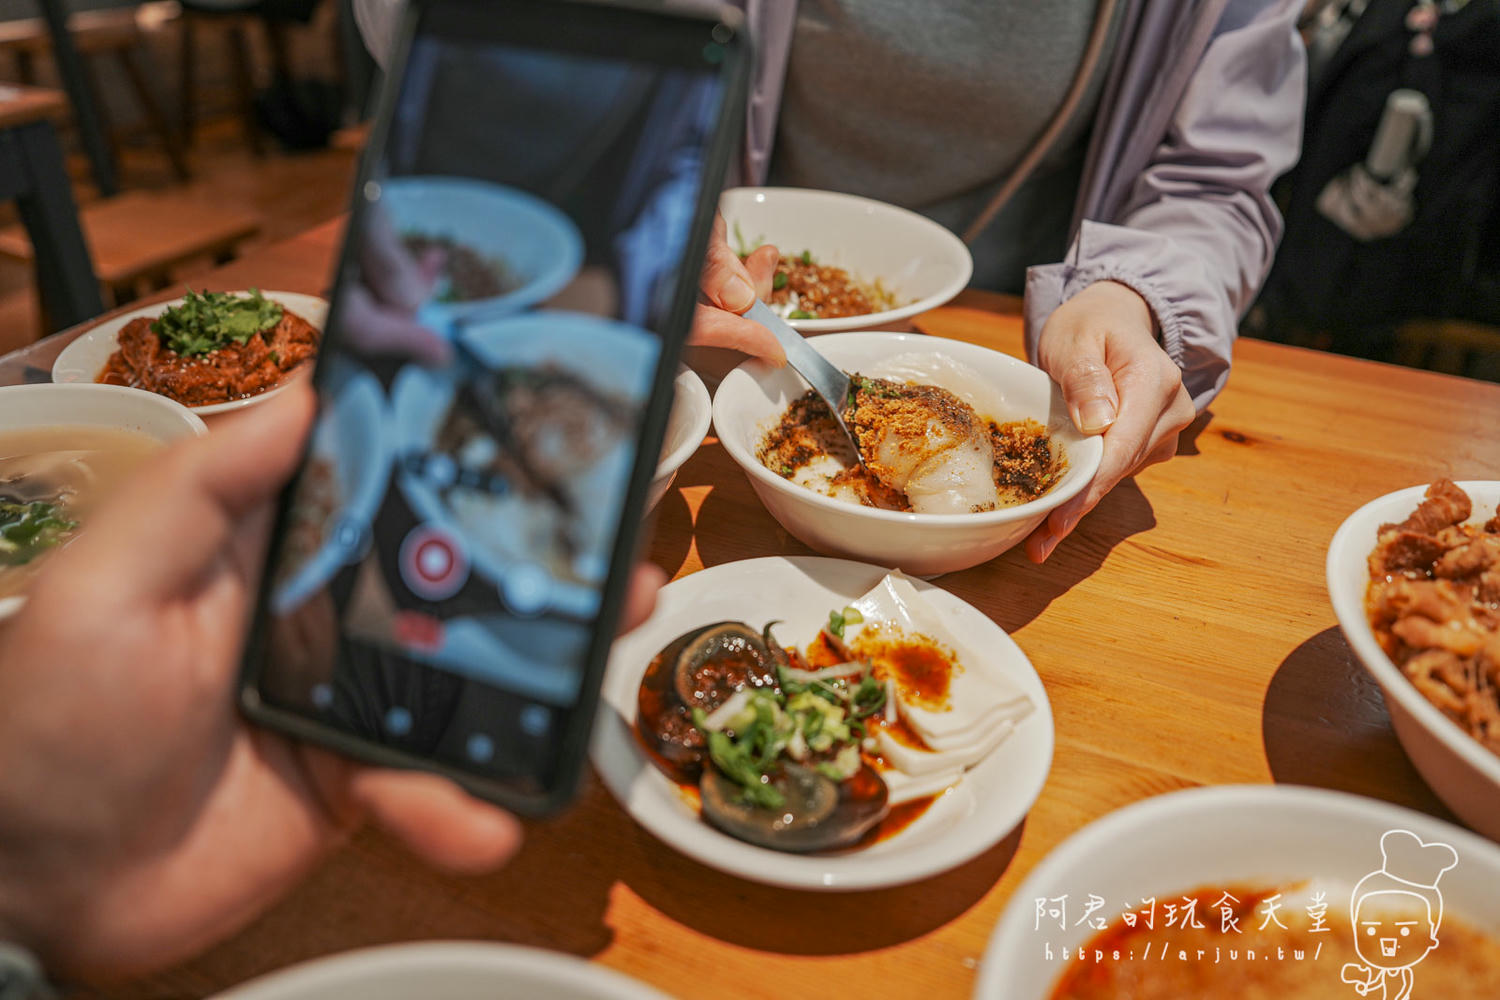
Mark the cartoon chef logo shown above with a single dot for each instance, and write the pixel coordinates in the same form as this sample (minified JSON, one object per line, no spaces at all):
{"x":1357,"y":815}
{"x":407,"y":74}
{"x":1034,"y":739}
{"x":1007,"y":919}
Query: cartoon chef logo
{"x":1396,"y":913}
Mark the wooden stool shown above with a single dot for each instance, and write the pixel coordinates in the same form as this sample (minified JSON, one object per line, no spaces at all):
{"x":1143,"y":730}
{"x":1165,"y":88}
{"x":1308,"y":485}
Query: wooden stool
{"x":136,"y":239}
{"x":114,"y":32}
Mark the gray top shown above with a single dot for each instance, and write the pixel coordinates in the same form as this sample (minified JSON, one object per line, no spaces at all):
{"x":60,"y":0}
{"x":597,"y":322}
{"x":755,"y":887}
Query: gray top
{"x":868,"y":82}
{"x":1201,"y":110}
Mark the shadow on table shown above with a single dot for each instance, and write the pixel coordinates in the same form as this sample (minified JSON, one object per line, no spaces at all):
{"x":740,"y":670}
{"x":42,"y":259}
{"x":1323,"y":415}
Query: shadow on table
{"x":1324,"y":723}
{"x":794,"y":922}
{"x":672,"y":532}
{"x":1028,"y":589}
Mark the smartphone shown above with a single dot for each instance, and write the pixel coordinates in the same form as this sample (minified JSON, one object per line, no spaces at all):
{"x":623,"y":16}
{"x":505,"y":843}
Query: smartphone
{"x":447,"y":569}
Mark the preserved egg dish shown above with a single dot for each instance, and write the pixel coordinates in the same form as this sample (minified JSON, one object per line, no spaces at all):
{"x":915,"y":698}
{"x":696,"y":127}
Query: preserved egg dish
{"x":924,"y":450}
{"x":51,"y":479}
{"x":214,"y":347}
{"x":1293,"y":954}
{"x":1434,"y":605}
{"x":829,"y":746}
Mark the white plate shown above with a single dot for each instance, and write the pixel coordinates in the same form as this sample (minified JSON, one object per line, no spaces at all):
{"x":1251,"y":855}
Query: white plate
{"x":1219,"y":838}
{"x":919,"y":261}
{"x":970,"y":818}
{"x":445,"y":971}
{"x":85,"y":358}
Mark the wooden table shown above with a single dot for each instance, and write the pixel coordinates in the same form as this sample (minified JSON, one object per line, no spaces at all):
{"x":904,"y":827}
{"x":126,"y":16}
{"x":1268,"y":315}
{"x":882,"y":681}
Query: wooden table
{"x":1183,"y":633}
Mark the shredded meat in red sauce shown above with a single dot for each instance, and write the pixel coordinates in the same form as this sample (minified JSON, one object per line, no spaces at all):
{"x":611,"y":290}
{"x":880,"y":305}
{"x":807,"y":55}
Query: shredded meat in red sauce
{"x":229,"y":373}
{"x":1434,"y":603}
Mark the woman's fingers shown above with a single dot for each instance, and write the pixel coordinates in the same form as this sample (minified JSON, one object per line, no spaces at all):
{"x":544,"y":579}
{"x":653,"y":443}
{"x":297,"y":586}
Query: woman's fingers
{"x":761,"y":266}
{"x":374,"y":329}
{"x":713,"y":327}
{"x":725,"y":282}
{"x":389,"y":269}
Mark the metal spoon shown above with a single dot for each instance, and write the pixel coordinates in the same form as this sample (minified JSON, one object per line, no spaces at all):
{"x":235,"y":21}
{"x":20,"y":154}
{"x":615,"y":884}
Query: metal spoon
{"x":827,"y":381}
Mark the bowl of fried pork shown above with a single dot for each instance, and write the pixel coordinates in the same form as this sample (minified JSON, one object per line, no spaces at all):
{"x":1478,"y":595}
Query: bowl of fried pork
{"x":966,"y":450}
{"x":1414,"y":578}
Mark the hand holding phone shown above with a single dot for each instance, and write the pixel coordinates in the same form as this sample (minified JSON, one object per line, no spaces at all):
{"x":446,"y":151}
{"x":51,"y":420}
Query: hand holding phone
{"x":448,"y":568}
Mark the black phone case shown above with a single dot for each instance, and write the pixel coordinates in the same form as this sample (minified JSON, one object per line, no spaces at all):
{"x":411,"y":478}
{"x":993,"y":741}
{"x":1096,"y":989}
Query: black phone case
{"x":573,"y":752}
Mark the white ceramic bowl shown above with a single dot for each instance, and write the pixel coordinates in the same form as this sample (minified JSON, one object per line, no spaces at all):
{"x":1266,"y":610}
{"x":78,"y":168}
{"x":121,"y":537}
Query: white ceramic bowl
{"x":1464,"y":774}
{"x":966,"y":820}
{"x":921,"y":262}
{"x":83,"y":359}
{"x":753,"y":396}
{"x":90,"y":405}
{"x":538,"y":243}
{"x":445,"y":971}
{"x":692,"y":414}
{"x":1219,"y":838}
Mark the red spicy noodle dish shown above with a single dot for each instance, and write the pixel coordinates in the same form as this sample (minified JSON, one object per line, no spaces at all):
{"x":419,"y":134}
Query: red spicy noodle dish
{"x":214,"y":347}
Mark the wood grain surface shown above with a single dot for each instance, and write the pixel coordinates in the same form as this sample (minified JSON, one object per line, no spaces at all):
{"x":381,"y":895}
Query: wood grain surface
{"x":1183,"y":632}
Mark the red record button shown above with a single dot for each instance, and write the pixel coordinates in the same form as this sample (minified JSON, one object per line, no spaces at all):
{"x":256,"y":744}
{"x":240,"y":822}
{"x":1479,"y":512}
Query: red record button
{"x":433,"y":564}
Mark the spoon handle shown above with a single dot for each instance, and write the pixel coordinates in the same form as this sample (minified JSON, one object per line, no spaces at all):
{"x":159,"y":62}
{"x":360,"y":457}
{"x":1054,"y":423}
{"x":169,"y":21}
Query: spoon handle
{"x":826,"y":379}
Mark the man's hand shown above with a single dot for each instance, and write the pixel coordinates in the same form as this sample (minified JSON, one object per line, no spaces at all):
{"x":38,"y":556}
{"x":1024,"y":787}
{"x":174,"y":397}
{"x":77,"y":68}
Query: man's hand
{"x":1100,"y":348}
{"x":141,"y":818}
{"x":729,"y":286}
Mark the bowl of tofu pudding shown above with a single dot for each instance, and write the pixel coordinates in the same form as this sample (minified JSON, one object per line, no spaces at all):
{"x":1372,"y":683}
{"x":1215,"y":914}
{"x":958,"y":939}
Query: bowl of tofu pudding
{"x":966,"y":450}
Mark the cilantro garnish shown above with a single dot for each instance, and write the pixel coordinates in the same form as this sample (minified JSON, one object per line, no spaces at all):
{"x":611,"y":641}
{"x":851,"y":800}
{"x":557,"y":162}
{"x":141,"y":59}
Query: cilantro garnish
{"x":207,"y":321}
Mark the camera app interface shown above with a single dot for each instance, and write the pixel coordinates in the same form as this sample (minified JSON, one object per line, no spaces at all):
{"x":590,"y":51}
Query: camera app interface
{"x":520,"y":241}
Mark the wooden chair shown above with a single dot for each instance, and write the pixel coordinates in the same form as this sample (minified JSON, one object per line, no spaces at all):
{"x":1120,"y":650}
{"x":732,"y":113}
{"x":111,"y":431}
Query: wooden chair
{"x":138,"y":239}
{"x":114,"y":33}
{"x":239,"y":19}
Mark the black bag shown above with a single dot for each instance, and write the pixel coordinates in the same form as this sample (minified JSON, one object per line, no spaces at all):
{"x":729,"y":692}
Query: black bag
{"x":1445,"y":261}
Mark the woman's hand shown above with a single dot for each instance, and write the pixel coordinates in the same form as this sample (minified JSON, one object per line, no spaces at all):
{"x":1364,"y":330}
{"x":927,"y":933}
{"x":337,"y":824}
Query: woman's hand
{"x":378,"y":315}
{"x":1100,"y":348}
{"x":141,"y":818}
{"x":729,"y":286}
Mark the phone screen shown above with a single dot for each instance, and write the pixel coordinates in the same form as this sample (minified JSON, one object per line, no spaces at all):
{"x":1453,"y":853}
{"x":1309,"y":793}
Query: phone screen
{"x":447,"y":566}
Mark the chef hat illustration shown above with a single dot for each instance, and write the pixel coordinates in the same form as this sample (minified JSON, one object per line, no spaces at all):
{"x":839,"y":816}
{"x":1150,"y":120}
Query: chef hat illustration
{"x":1411,"y":865}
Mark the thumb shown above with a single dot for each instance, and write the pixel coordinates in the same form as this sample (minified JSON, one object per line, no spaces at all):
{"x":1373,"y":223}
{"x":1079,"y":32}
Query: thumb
{"x":436,"y":819}
{"x":725,"y":282}
{"x":1088,"y":387}
{"x":177,"y":514}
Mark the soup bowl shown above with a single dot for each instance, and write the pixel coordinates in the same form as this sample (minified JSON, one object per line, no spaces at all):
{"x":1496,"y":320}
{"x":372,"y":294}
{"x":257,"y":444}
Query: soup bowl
{"x":1462,"y":773}
{"x":86,"y":405}
{"x":752,"y":398}
{"x":1271,"y":836}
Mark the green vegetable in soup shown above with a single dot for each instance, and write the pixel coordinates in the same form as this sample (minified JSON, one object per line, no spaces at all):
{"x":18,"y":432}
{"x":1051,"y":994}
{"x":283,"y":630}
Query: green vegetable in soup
{"x":207,"y":321}
{"x":29,"y":529}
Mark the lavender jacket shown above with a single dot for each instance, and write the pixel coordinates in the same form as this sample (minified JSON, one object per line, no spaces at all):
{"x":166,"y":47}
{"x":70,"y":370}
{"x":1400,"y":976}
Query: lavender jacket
{"x":1201,"y":111}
